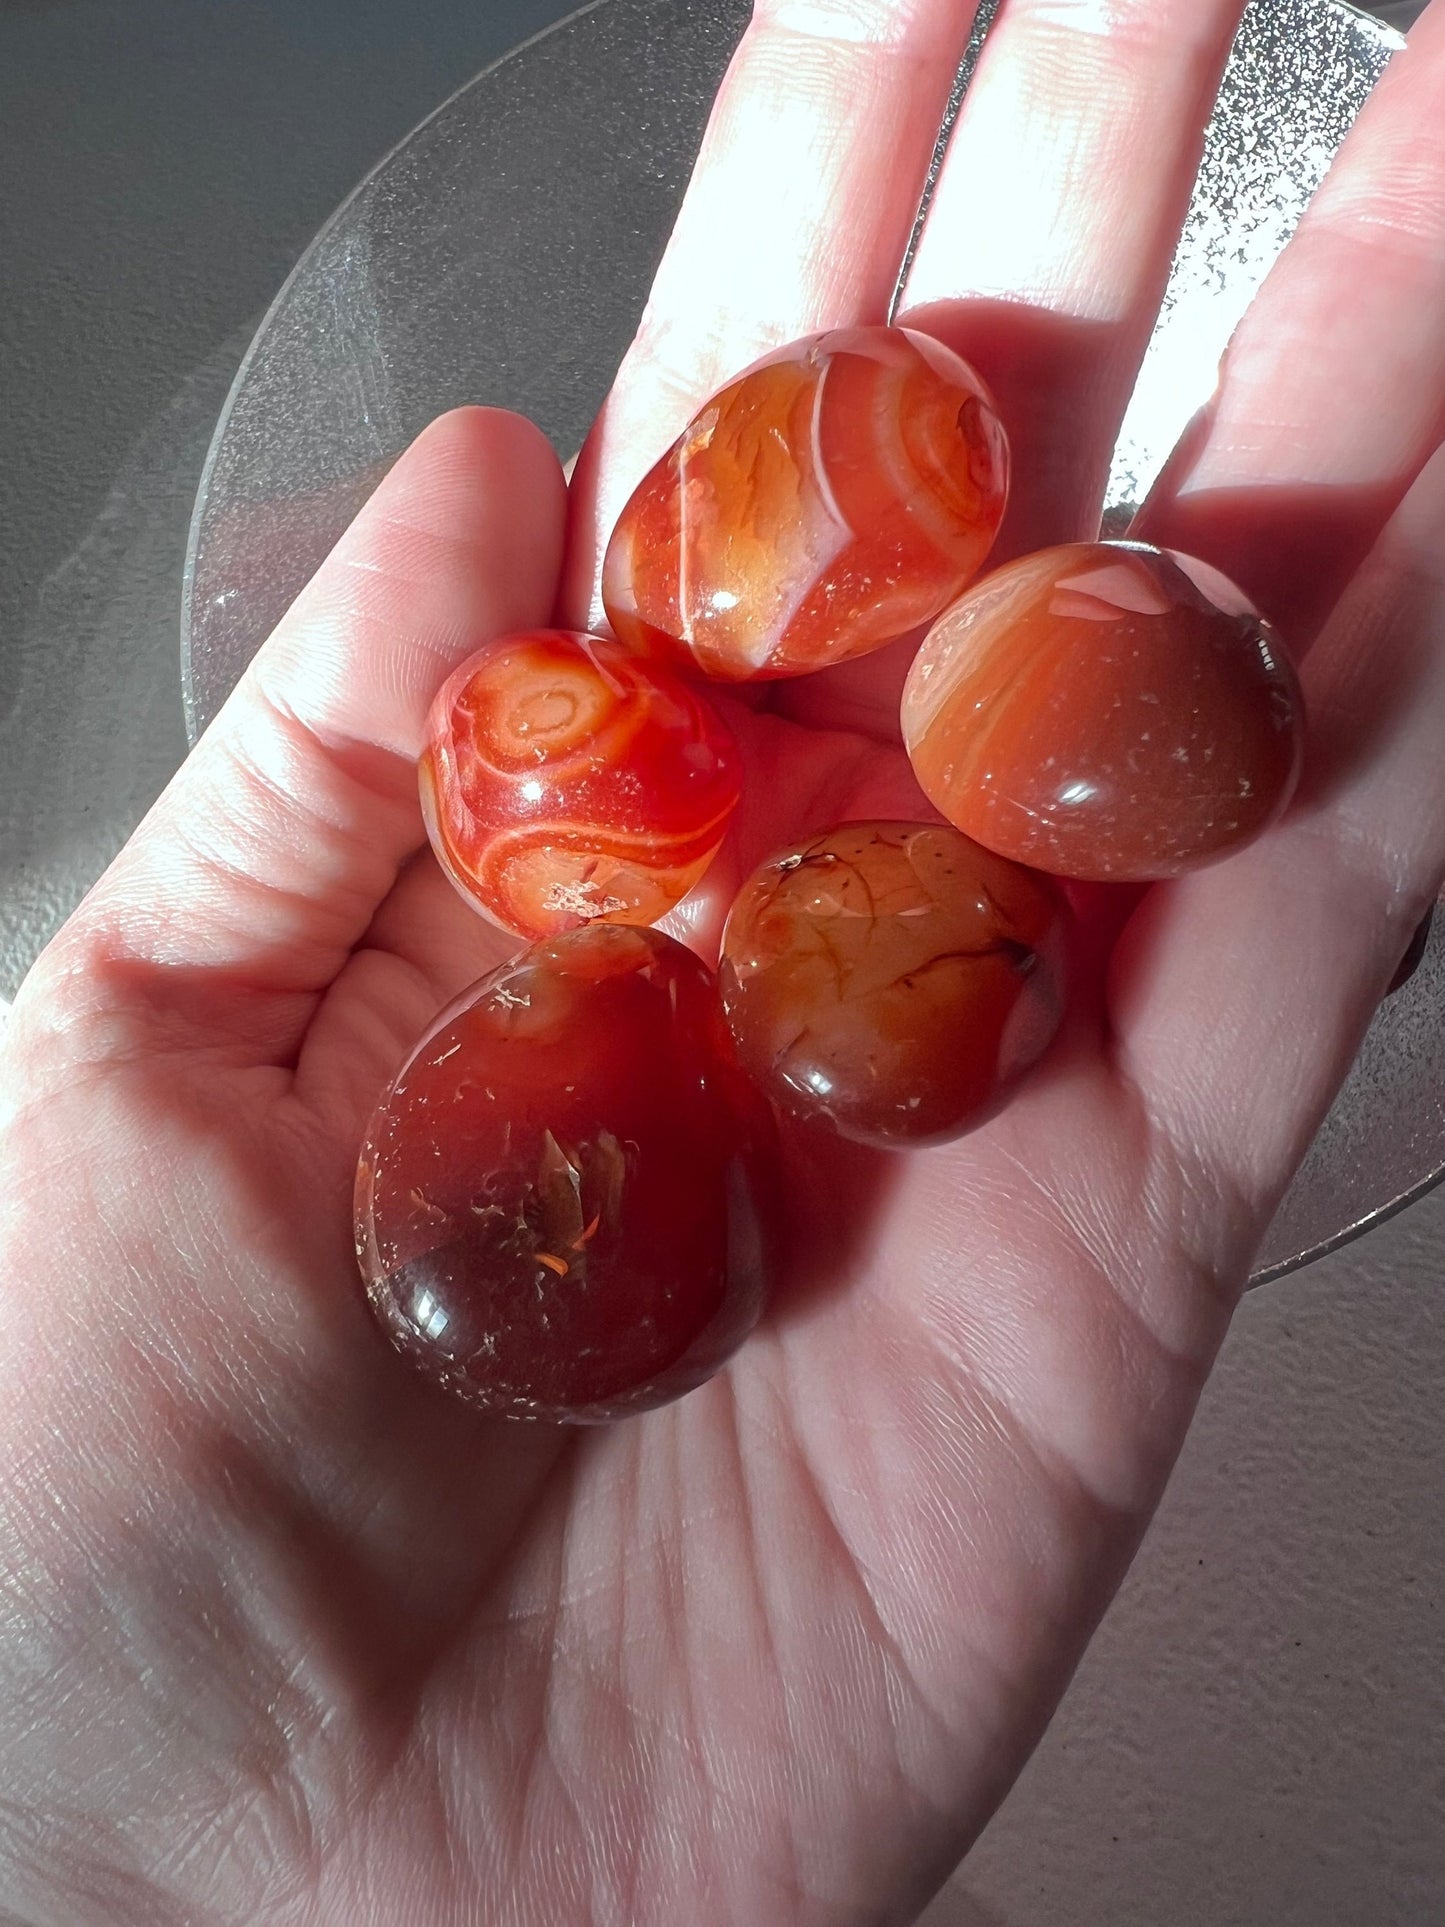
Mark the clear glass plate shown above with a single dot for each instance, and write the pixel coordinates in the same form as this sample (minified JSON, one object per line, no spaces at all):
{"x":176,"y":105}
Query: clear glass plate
{"x":502,"y":254}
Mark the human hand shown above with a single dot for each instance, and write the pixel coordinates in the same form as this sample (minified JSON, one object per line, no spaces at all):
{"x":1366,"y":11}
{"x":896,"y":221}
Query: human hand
{"x":283,"y":1636}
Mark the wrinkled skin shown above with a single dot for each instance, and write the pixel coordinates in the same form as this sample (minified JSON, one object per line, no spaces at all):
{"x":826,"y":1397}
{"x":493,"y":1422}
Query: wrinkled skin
{"x":286,"y":1638}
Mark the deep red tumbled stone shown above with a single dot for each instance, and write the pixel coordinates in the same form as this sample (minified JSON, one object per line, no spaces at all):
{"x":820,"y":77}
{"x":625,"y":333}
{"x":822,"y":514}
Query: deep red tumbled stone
{"x":562,"y":1202}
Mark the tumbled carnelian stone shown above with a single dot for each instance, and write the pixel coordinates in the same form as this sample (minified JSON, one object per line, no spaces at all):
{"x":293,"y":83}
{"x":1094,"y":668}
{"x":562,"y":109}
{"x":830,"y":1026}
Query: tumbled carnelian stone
{"x":561,"y":1205}
{"x":836,"y":495}
{"x":894,"y":980}
{"x":1105,"y":710}
{"x":565,"y":782}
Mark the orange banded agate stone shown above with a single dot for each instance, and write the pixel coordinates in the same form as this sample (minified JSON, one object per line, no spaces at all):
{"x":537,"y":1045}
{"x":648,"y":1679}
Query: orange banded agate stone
{"x":565,"y":782}
{"x":563,"y":1204}
{"x":835,"y":496}
{"x":1105,"y":711}
{"x":893,"y":981}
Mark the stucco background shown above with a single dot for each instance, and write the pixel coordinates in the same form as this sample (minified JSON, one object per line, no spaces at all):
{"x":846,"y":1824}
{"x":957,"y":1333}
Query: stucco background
{"x":1257,"y":1738}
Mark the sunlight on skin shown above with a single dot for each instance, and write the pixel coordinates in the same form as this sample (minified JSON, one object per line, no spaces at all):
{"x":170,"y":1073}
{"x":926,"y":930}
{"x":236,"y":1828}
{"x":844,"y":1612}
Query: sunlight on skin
{"x":852,"y":107}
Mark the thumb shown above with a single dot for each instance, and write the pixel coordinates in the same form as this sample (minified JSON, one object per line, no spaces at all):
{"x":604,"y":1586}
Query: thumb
{"x":243,"y":892}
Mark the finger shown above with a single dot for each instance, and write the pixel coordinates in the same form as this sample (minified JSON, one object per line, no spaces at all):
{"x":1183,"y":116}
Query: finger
{"x":1332,"y":395}
{"x":1050,"y":236}
{"x":243,"y":892}
{"x":798,"y":217}
{"x":1045,"y":256}
{"x":1241,"y":996}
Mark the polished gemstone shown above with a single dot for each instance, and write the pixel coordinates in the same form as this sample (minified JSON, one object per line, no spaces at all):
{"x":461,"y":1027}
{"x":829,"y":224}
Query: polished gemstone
{"x":832,"y":498}
{"x":566,"y":782}
{"x":562,"y":1205}
{"x":893,"y":980}
{"x":1106,"y":711}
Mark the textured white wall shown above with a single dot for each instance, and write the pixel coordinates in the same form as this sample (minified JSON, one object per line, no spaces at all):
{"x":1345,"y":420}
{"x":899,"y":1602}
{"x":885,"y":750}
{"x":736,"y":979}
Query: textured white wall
{"x":1257,"y":1737}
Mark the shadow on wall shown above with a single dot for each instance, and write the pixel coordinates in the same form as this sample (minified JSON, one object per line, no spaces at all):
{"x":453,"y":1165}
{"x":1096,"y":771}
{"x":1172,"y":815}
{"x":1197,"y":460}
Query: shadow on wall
{"x":90,"y":700}
{"x":1256,"y":1737}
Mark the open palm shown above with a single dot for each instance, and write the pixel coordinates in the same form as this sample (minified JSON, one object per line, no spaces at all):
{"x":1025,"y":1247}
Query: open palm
{"x":286,"y":1637}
